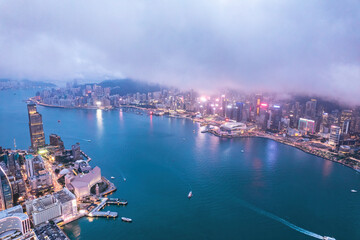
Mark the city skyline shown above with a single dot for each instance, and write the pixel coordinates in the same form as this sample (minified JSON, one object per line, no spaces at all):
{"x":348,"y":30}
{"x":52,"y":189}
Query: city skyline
{"x":252,"y":46}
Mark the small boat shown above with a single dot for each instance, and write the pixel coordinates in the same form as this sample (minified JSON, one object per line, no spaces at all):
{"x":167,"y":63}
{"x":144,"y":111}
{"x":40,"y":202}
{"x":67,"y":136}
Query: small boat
{"x":242,"y":151}
{"x":125,"y":219}
{"x":193,"y":131}
{"x":112,"y":177}
{"x":88,"y":140}
{"x":124,"y":179}
{"x":59,"y":121}
{"x":328,"y":238}
{"x":353,"y":190}
{"x":190,"y":194}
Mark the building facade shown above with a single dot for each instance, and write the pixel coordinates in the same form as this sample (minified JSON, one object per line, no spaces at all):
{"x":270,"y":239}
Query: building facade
{"x":37,"y":135}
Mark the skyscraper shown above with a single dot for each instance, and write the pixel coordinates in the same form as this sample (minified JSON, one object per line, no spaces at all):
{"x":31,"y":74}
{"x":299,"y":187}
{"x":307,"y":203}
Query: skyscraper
{"x":37,"y":135}
{"x":6,"y":196}
{"x":334,"y":135}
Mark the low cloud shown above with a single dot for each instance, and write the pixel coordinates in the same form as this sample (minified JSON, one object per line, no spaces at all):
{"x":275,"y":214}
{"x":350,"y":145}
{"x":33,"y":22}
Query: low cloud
{"x":256,"y":45}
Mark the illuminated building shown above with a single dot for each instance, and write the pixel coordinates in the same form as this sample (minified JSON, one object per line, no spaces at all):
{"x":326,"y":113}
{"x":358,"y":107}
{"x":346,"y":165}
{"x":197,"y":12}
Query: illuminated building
{"x":334,"y":135}
{"x":306,"y":126}
{"x":39,"y":178}
{"x":258,"y":103}
{"x":37,"y":135}
{"x":6,"y":195}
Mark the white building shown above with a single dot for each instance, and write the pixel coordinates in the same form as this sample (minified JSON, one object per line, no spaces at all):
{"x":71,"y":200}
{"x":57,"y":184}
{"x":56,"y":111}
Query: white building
{"x":13,"y":220}
{"x":82,"y":183}
{"x":43,"y":209}
{"x":233,"y":126}
{"x":67,"y":202}
{"x":334,"y":135}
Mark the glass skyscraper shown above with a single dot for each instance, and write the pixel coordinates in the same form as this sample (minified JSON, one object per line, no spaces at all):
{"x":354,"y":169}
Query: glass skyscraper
{"x":6,"y":196}
{"x":37,"y":135}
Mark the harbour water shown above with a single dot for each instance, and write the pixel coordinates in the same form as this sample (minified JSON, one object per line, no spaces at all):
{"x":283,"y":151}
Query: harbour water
{"x":270,"y":191}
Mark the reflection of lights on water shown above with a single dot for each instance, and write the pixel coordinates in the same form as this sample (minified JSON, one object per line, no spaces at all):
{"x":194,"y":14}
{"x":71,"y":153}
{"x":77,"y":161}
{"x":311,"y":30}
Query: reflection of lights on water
{"x":99,"y":119}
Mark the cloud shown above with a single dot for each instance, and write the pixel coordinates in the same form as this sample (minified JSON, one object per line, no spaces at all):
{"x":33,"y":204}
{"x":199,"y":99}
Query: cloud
{"x":255,"y":45}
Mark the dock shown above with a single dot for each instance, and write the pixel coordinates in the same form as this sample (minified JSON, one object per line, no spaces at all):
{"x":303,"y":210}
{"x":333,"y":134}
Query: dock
{"x":116,"y":201}
{"x":104,"y":214}
{"x":96,"y":212}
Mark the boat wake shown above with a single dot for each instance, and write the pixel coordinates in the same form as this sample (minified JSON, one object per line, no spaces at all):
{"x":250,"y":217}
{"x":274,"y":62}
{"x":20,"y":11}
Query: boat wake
{"x":283,"y":221}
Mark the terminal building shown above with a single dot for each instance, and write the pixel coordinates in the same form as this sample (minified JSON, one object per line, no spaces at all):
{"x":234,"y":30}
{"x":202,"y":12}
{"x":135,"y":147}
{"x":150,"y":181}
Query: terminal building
{"x":14,"y":224}
{"x":81,"y":184}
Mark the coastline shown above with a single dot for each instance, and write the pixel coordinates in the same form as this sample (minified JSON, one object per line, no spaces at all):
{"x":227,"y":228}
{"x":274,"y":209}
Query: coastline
{"x":255,"y":135}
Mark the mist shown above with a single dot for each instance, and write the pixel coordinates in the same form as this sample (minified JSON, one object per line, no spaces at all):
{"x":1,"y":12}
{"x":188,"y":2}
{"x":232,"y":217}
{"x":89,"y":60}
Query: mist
{"x":310,"y":47}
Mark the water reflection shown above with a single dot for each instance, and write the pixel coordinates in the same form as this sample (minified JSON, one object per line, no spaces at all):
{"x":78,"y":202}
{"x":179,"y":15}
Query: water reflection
{"x":99,"y":121}
{"x":151,"y":122}
{"x":327,"y":168}
{"x":272,"y":152}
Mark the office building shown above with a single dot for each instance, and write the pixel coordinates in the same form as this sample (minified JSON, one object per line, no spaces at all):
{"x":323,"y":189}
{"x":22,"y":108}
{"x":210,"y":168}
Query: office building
{"x":306,"y":126}
{"x":310,"y":108}
{"x":6,"y":195}
{"x":37,"y":135}
{"x":334,"y":135}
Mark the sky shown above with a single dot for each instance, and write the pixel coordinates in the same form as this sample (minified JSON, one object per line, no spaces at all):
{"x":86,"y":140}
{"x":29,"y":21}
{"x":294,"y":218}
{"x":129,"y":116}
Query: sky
{"x":293,"y":46}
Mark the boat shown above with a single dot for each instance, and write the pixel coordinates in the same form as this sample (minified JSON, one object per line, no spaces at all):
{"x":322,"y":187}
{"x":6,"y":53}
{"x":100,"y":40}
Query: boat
{"x":124,"y":179}
{"x":112,"y":177}
{"x":125,"y":219}
{"x":328,"y":238}
{"x":59,"y":121}
{"x":193,"y":131}
{"x":190,"y":194}
{"x":242,"y":151}
{"x":88,"y":140}
{"x":353,"y":190}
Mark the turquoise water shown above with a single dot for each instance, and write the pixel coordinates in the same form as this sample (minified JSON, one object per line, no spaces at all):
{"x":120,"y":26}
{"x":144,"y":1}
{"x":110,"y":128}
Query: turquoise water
{"x":271,"y":191}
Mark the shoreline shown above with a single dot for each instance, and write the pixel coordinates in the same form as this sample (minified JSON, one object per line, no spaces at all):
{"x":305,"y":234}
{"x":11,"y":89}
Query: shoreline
{"x":211,"y":132}
{"x":288,"y":144}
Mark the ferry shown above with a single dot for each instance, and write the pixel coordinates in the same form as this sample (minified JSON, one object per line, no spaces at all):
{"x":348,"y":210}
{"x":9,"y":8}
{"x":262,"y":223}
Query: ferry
{"x":112,"y":177}
{"x":125,"y":219}
{"x":190,"y":194}
{"x":328,"y":238}
{"x":353,"y":190}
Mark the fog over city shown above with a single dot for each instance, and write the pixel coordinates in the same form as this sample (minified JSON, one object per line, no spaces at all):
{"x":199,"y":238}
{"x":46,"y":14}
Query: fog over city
{"x":296,"y":46}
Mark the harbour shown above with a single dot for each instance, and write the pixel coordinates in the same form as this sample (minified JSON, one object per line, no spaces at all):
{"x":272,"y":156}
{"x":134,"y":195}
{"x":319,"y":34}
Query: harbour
{"x":271,"y":176}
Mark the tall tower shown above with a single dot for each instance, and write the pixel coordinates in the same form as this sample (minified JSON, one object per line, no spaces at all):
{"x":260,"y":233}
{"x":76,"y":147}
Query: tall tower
{"x":6,"y":196}
{"x":37,"y":135}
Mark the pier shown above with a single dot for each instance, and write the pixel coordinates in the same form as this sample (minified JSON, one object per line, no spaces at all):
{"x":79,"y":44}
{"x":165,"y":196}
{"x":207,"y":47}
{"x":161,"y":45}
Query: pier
{"x":96,"y":212}
{"x":116,"y":201}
